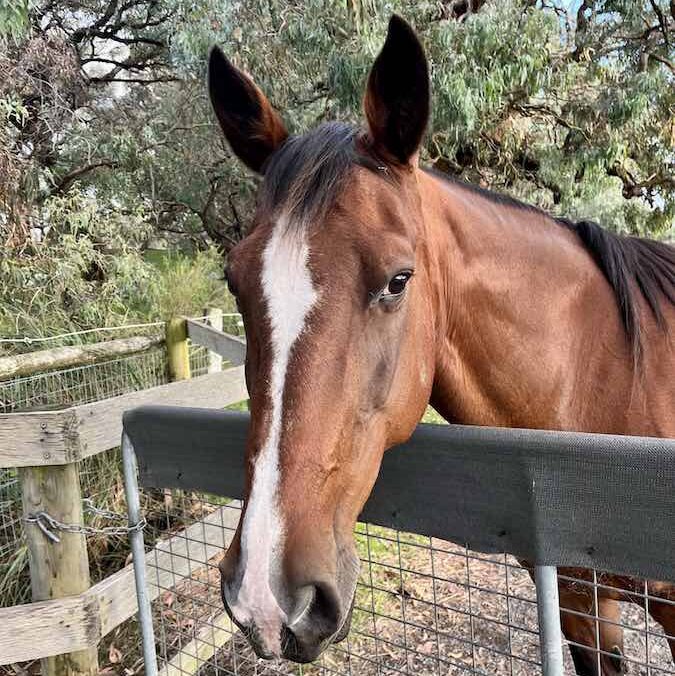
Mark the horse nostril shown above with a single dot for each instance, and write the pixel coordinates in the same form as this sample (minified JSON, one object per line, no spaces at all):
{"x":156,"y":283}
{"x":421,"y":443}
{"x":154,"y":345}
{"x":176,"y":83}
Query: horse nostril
{"x":317,"y":620}
{"x":317,"y":613}
{"x":289,"y":644}
{"x":326,"y":606}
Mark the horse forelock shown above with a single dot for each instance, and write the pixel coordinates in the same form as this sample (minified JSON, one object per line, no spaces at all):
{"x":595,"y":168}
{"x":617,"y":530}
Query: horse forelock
{"x":303,"y":178}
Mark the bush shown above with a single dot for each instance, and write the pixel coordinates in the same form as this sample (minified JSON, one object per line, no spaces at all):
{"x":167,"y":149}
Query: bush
{"x":91,"y":269}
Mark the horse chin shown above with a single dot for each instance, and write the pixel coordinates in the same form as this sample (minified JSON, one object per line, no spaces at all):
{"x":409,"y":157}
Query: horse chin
{"x":343,"y":632}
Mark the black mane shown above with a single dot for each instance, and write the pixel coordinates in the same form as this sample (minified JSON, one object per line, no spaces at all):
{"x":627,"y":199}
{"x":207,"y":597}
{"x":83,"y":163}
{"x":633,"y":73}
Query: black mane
{"x":305,"y":175}
{"x":632,"y":266}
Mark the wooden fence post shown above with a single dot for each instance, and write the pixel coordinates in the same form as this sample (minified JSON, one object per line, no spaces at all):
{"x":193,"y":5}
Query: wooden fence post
{"x":58,"y":569}
{"x":178,"y":356}
{"x":214,"y":316}
{"x":177,"y":349}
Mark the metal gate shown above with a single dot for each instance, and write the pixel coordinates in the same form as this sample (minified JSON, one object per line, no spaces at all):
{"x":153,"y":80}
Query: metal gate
{"x":440,"y":590}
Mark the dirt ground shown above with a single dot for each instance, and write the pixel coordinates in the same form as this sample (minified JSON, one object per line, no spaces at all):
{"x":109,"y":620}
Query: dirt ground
{"x":422,"y":607}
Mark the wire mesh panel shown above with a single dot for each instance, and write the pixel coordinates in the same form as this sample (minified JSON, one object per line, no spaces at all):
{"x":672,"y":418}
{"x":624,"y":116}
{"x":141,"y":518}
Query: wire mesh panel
{"x":100,"y":475}
{"x":13,"y":554}
{"x":423,"y":606}
{"x":615,"y":609}
{"x":84,"y":384}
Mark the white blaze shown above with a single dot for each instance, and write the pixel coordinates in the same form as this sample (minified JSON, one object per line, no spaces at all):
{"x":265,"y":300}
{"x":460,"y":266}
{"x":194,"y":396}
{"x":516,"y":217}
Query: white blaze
{"x":290,"y":295}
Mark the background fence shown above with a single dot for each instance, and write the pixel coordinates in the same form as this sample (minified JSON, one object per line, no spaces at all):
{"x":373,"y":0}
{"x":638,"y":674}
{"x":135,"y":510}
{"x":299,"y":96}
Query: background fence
{"x":423,"y":605}
{"x":100,"y":475}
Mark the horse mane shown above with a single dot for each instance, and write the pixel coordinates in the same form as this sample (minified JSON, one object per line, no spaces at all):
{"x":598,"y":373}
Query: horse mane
{"x":305,"y":175}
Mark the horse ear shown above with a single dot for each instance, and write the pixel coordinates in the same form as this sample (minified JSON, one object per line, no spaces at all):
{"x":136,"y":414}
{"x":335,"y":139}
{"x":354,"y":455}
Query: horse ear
{"x":252,"y":127}
{"x":397,"y":96}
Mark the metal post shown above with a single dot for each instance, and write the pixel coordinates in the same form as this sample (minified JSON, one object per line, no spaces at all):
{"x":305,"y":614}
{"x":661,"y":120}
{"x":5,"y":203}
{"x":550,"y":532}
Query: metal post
{"x":548,"y":610}
{"x":138,"y":552}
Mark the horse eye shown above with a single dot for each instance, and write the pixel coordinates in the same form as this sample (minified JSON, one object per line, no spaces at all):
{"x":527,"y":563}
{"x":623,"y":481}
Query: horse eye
{"x":397,"y":283}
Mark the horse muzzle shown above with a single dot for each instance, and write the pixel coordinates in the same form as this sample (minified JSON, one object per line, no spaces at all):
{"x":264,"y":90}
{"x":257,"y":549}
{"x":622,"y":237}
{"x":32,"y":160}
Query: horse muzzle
{"x":319,"y":619}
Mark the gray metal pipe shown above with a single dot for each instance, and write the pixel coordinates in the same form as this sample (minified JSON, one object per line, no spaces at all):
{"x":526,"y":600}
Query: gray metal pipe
{"x":548,"y":610}
{"x":138,"y":552}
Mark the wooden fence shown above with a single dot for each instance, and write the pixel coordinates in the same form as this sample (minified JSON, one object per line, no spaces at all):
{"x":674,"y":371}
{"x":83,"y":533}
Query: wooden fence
{"x":68,"y":616}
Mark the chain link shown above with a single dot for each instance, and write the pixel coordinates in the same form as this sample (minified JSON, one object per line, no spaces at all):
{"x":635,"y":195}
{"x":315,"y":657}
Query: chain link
{"x":48,"y":524}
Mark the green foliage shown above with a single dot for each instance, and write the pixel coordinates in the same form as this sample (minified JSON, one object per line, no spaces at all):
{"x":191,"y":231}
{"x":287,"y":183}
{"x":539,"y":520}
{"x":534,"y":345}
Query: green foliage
{"x":13,"y":19}
{"x":562,"y":112}
{"x":186,"y":284}
{"x":67,"y":280}
{"x":110,"y":141}
{"x":91,"y":270}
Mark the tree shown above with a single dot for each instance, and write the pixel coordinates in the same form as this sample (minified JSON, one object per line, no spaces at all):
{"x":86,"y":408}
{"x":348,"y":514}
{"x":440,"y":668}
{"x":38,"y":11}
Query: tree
{"x":571,"y":109}
{"x":81,"y":87}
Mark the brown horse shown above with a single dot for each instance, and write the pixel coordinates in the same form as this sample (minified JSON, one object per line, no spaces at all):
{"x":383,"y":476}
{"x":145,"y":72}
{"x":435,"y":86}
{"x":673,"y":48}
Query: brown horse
{"x":370,"y":287}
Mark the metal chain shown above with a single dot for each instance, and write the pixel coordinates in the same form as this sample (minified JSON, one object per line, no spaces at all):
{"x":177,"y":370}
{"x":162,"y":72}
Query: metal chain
{"x":48,"y":524}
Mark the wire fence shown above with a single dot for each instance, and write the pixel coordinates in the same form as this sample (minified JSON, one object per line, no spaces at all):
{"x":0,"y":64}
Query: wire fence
{"x":422,"y":606}
{"x":85,"y":384}
{"x":100,"y":475}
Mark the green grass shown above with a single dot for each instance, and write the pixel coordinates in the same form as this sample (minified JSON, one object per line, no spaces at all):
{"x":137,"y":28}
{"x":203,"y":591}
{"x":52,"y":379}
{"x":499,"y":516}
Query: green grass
{"x":431,"y":416}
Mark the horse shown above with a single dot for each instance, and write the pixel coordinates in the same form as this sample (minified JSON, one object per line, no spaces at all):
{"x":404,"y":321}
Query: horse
{"x":370,"y":287}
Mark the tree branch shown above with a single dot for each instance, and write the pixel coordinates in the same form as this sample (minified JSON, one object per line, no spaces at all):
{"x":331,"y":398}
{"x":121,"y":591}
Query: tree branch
{"x":633,"y":188}
{"x":530,"y":109}
{"x":662,"y":20}
{"x":106,"y":79}
{"x":64,"y":183}
{"x":663,"y":60}
{"x":82,"y":33}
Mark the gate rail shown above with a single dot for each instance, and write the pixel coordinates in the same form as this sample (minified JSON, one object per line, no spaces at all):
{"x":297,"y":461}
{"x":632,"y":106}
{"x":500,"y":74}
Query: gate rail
{"x":551,"y":498}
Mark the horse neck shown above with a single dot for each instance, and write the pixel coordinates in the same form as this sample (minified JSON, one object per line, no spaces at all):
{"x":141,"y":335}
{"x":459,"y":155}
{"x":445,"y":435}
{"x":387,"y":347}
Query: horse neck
{"x":522,"y":313}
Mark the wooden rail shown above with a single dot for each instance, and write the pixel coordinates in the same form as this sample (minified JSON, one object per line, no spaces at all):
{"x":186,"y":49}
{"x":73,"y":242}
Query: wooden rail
{"x":73,"y":355}
{"x":206,"y":643}
{"x":61,"y":437}
{"x":231,"y":348}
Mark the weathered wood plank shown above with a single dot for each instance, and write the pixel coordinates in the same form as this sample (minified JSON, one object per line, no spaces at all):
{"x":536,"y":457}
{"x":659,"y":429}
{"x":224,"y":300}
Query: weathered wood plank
{"x":38,"y":630}
{"x":73,"y":355}
{"x":78,"y":622}
{"x":227,"y":346}
{"x":194,"y":654}
{"x":59,"y":437}
{"x":30,"y":439}
{"x":100,"y":423}
{"x":58,"y":569}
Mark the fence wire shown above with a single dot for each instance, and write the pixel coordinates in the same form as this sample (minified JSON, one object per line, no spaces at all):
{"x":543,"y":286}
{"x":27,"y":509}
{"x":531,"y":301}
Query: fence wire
{"x":100,"y":475}
{"x":84,"y":384}
{"x":423,"y":606}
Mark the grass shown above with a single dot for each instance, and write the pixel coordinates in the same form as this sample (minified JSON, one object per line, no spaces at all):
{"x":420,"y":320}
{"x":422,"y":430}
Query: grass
{"x":432,"y":416}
